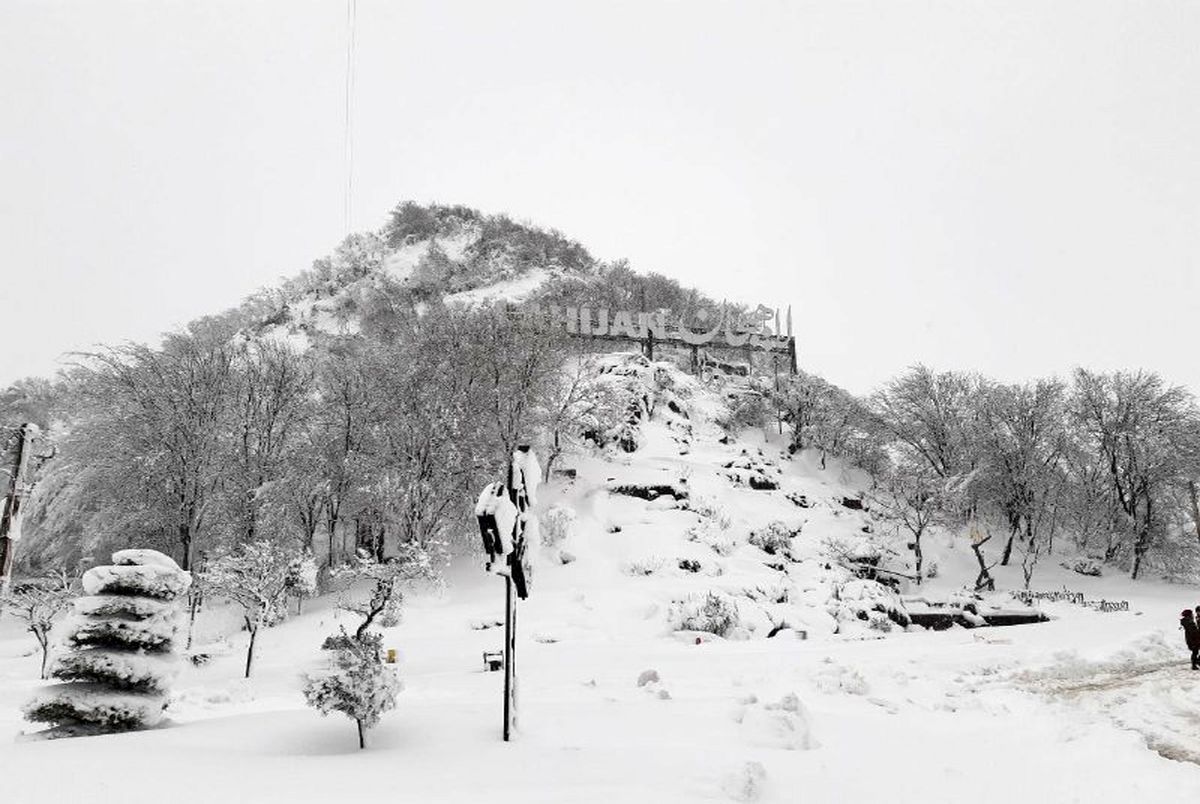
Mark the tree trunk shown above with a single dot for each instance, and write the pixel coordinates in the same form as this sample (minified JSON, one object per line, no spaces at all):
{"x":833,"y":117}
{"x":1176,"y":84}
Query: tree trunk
{"x":554,"y":453}
{"x":1012,"y":533}
{"x":1195,"y":495}
{"x":185,"y":541}
{"x":192,"y":611}
{"x":1141,"y":544}
{"x":362,"y":735}
{"x":984,"y":579}
{"x":918,"y":555}
{"x":45,"y":643}
{"x":253,"y":628}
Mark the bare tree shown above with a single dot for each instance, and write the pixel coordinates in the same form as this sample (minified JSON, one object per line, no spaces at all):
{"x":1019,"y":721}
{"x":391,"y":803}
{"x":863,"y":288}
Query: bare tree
{"x":575,"y":404}
{"x":270,"y":395}
{"x":1026,"y":439}
{"x":143,"y":460}
{"x":37,"y":602}
{"x":933,"y":417}
{"x":257,"y":576}
{"x":915,"y":498}
{"x":1137,"y":424}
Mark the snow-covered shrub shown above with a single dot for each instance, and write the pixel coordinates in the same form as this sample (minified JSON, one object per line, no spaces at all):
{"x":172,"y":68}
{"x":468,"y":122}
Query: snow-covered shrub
{"x":706,"y":532}
{"x":301,"y":579}
{"x":867,"y":603}
{"x":558,"y":523}
{"x":774,"y":593}
{"x":774,"y":539}
{"x":644,"y":566}
{"x":859,"y":553}
{"x":120,"y":649}
{"x":710,"y":510}
{"x":744,"y":410}
{"x":1084,"y":566}
{"x":714,"y":613}
{"x":356,"y":682}
{"x":37,"y":603}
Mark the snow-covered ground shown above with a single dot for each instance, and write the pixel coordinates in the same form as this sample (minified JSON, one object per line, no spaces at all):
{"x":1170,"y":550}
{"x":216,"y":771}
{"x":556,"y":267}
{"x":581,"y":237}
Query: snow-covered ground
{"x":1089,"y":707}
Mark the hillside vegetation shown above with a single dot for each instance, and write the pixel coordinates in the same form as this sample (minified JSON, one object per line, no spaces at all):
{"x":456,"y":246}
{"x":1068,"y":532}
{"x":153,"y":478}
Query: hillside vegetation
{"x":361,"y":405}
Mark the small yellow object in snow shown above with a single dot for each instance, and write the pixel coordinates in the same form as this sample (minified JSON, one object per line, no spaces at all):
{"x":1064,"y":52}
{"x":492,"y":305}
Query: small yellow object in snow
{"x":391,"y":655}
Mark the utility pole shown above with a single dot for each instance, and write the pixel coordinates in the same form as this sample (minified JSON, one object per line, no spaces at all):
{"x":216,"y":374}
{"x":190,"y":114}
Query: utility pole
{"x":10,"y":519}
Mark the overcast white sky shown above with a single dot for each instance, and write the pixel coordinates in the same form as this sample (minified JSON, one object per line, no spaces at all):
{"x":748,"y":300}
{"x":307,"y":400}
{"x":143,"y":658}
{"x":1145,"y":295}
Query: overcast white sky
{"x":1011,"y":187}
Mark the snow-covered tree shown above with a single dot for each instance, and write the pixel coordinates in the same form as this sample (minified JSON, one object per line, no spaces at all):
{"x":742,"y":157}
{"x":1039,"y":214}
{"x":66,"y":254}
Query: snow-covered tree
{"x":387,"y":581}
{"x":37,"y":602}
{"x":270,"y":392}
{"x":931,"y":417}
{"x":356,"y":683}
{"x":255,"y":576}
{"x":576,"y":403}
{"x":1022,"y":477}
{"x":914,"y":497}
{"x":119,"y":656}
{"x":302,"y":578}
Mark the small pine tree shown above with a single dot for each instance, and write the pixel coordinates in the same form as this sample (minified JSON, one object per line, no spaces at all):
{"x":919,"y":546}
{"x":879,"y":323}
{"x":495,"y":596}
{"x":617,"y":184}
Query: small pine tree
{"x":357,"y":683}
{"x":120,"y":642}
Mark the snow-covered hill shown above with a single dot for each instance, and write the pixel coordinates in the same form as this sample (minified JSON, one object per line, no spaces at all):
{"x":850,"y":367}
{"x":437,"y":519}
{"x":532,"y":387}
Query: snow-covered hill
{"x":453,"y":254}
{"x":813,"y":691}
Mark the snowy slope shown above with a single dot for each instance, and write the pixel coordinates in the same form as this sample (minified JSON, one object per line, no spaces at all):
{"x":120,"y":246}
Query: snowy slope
{"x":1085,"y":708}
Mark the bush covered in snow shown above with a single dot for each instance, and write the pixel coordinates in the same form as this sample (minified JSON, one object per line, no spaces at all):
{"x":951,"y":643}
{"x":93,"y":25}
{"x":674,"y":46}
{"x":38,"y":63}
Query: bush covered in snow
{"x":774,"y":539}
{"x":120,"y":643}
{"x":644,"y":566}
{"x":356,"y":682}
{"x":710,"y":510}
{"x":558,"y":523}
{"x":1084,"y":566}
{"x":706,"y":533}
{"x":861,"y":602}
{"x":713,"y":613}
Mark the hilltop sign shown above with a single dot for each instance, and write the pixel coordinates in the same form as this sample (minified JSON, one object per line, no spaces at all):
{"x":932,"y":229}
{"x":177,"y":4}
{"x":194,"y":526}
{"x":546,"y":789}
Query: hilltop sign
{"x":759,"y":331}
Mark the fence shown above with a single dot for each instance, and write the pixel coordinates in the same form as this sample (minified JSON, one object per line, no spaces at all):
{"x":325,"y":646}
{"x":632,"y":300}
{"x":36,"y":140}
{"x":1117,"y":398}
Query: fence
{"x":1028,"y":597}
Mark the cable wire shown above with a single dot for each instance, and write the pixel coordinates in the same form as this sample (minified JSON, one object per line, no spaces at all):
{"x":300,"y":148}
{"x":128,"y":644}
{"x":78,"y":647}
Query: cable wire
{"x":348,"y":134}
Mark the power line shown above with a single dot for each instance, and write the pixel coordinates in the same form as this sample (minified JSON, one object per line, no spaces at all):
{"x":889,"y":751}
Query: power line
{"x":351,"y":15}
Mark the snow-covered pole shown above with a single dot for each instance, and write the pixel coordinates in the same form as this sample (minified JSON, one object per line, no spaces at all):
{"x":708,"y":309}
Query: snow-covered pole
{"x":502,"y":512}
{"x":510,"y":651}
